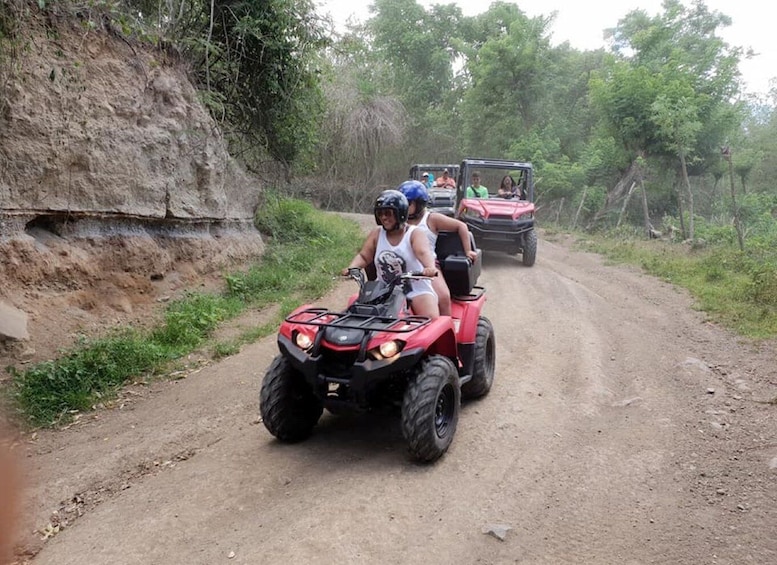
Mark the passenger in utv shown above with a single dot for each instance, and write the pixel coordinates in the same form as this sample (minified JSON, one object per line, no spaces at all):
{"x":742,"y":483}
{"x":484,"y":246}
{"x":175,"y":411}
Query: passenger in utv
{"x":396,"y":247}
{"x":476,"y":190}
{"x":507,"y":188}
{"x":445,"y":181}
{"x":432,"y":223}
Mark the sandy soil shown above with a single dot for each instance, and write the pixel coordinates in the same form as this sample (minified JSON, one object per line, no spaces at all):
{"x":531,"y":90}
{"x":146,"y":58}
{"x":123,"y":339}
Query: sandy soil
{"x":622,"y":427}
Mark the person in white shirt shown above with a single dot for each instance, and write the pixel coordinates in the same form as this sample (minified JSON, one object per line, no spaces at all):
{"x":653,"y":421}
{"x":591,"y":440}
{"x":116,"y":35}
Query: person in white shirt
{"x":396,"y":247}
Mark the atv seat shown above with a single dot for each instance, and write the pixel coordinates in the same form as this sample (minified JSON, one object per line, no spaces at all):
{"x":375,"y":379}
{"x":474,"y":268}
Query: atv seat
{"x":459,"y":273}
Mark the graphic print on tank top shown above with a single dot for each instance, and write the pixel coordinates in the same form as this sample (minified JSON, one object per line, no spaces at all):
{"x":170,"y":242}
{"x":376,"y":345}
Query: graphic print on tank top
{"x":391,"y":265}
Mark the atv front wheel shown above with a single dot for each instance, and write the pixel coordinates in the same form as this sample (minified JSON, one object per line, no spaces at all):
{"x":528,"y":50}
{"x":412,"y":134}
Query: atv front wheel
{"x":289,"y":408}
{"x":529,"y":248}
{"x":485,"y":361}
{"x":430,"y":408}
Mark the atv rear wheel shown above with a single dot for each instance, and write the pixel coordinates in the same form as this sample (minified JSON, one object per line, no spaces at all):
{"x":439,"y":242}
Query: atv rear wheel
{"x":289,"y":408}
{"x":430,"y":408}
{"x":529,"y":248}
{"x":485,"y":361}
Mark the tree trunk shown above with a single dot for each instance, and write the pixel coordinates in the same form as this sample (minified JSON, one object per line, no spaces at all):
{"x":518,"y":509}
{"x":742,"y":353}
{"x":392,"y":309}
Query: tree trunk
{"x":645,"y":212}
{"x":687,"y":183}
{"x":618,"y":190}
{"x":680,"y":207}
{"x":625,"y":204}
{"x":737,"y":224}
{"x":577,"y":214}
{"x":558,"y":212}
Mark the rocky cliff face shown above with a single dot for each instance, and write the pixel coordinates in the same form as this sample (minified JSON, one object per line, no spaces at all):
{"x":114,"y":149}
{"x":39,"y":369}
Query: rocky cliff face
{"x":94,"y":124}
{"x":109,"y":164}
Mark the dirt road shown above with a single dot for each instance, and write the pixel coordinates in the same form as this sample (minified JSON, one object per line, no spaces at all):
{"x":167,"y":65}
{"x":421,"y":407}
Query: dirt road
{"x":622,"y":428}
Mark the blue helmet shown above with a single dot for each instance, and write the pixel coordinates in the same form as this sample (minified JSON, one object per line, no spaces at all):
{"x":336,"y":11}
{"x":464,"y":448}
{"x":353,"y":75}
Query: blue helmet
{"x":415,"y":191}
{"x":392,"y":200}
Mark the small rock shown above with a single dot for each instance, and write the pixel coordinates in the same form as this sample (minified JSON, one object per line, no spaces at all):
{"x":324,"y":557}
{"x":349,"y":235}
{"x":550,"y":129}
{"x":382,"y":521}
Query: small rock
{"x":710,"y":391}
{"x":27,"y":355}
{"x":499,"y":531}
{"x":628,"y":402}
{"x":231,"y":555}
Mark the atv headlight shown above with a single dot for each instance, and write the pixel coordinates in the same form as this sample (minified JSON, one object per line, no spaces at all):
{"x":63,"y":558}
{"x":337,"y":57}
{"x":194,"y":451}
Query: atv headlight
{"x":526,"y":216}
{"x":303,"y":341}
{"x":387,"y":350}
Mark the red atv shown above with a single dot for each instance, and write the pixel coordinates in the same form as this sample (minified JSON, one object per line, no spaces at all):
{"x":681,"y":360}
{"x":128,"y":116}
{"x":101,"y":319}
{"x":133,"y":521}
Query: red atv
{"x":377,"y":354}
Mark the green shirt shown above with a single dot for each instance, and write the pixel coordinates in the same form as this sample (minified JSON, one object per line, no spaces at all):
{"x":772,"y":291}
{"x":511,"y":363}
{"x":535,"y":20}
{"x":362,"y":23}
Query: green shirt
{"x":477,"y":192}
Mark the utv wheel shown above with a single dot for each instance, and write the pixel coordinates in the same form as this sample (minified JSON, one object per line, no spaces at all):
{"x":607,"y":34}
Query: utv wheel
{"x":485,"y":361}
{"x":529,"y":248}
{"x":289,"y":408}
{"x":430,"y":408}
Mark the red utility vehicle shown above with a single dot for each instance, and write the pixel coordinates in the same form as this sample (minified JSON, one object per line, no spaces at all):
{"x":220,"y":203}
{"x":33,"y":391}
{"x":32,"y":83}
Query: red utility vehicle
{"x":499,"y":222}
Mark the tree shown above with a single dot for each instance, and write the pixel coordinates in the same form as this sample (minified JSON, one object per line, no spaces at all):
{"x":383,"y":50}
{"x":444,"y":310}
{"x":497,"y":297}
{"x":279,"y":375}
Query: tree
{"x":669,"y":84}
{"x":508,"y":82}
{"x":258,"y":62}
{"x":677,"y":122}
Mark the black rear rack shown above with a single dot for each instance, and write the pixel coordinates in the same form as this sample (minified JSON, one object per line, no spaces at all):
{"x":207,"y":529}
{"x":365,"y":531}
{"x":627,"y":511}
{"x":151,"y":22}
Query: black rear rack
{"x":354,"y":321}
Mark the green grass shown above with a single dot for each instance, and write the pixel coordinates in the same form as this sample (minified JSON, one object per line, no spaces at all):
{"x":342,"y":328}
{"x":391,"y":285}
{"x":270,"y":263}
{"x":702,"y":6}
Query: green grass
{"x":737,"y":290}
{"x":305,"y":249}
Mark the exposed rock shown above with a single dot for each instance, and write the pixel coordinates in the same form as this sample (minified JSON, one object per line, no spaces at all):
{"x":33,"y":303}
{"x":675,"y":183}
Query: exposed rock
{"x":116,"y":186}
{"x":13,"y":323}
{"x":98,"y":126}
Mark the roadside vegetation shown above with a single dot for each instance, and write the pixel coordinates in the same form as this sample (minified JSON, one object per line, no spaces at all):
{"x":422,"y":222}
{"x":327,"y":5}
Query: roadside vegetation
{"x":735,"y":289}
{"x":306,"y":248}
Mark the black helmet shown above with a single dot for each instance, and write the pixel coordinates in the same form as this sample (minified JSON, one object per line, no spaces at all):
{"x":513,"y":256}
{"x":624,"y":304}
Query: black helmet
{"x":392,"y":200}
{"x":415,"y":191}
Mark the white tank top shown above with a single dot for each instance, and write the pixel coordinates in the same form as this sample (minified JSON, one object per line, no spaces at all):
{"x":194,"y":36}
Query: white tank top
{"x":431,"y":236}
{"x":393,"y":260}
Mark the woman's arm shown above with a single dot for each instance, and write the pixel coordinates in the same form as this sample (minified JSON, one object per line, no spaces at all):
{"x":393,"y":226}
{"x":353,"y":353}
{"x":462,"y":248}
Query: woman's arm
{"x":440,"y":222}
{"x":420,"y":245}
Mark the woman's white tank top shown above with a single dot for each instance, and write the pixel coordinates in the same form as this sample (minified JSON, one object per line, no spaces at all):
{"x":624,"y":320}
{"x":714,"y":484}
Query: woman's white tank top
{"x":430,"y":235}
{"x":393,"y":260}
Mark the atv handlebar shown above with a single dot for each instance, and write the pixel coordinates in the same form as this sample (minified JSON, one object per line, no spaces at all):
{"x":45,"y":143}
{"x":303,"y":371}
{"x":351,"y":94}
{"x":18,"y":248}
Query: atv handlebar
{"x":357,"y":274}
{"x":416,"y":276}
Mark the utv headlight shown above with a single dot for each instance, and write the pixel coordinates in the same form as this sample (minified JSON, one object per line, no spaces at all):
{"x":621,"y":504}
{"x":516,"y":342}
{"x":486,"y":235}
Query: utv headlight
{"x":526,"y":216}
{"x":470,"y":213}
{"x":303,"y":341}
